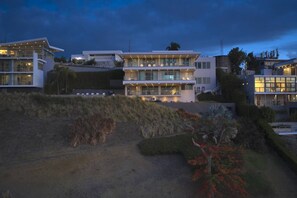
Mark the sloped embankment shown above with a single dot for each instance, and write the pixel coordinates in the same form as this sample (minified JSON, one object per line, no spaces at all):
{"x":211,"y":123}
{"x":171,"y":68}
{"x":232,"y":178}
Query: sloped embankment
{"x":153,"y":120}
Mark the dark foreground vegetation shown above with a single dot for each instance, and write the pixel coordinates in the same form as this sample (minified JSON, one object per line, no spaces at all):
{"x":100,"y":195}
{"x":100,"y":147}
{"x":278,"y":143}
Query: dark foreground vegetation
{"x":226,"y":154}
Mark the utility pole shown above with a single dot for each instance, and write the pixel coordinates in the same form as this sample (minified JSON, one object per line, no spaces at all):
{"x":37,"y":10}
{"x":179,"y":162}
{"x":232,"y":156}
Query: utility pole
{"x":222,"y":47}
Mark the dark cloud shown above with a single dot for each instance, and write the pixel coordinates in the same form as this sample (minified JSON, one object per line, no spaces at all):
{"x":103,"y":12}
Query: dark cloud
{"x":147,"y":24}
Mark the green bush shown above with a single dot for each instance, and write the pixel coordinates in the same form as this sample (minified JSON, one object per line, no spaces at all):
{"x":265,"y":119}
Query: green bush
{"x":268,"y":114}
{"x":249,"y":136}
{"x":95,"y":80}
{"x":87,"y":80}
{"x":231,"y":87}
{"x":277,"y":143}
{"x":210,"y":97}
{"x":179,"y":144}
{"x":250,"y":111}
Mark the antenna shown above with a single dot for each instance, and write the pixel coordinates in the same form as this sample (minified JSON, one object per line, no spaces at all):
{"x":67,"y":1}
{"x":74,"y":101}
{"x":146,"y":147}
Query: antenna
{"x":222,"y":47}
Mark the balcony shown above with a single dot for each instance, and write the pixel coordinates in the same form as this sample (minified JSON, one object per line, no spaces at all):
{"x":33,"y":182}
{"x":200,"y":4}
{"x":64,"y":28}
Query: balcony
{"x":152,"y":93}
{"x":160,"y":80}
{"x":175,"y":67}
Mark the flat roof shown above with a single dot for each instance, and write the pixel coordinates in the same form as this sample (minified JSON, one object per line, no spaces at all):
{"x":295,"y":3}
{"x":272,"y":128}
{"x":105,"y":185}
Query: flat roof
{"x":291,"y":61}
{"x":37,"y":41}
{"x":163,"y":53}
{"x":103,"y":52}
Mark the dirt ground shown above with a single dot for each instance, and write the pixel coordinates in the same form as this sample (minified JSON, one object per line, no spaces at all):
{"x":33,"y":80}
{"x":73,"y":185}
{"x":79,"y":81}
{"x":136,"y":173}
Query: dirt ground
{"x":37,"y":161}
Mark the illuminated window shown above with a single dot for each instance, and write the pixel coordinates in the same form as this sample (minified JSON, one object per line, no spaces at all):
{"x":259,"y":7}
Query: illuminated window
{"x":3,"y":52}
{"x":259,"y":84}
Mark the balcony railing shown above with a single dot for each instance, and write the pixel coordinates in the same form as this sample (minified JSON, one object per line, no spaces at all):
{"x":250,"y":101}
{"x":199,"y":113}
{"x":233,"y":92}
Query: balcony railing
{"x":152,"y":93}
{"x":162,"y":78}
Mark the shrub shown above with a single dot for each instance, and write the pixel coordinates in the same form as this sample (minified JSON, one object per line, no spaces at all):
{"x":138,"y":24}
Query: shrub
{"x":268,"y":114}
{"x":250,"y":111}
{"x":277,"y":143}
{"x":179,"y":144}
{"x":91,"y":130}
{"x":210,"y":97}
{"x":249,"y":136}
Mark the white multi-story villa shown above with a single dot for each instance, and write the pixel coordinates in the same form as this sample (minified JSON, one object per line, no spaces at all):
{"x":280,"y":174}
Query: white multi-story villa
{"x":205,"y":74}
{"x":24,"y":64}
{"x":160,"y":75}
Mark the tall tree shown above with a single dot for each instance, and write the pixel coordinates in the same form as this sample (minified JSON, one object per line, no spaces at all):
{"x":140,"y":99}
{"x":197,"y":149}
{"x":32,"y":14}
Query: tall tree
{"x":173,"y":46}
{"x":236,"y":57}
{"x":61,"y":77}
{"x":251,"y":62}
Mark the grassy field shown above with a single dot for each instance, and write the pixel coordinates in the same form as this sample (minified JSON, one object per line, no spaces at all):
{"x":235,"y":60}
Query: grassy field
{"x":153,"y":119}
{"x":37,"y":161}
{"x":268,"y":176}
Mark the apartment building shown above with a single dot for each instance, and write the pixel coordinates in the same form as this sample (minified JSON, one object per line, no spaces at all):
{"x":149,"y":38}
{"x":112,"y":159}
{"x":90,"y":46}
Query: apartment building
{"x":205,"y":74}
{"x":24,"y":64}
{"x":167,"y":76}
{"x":277,"y":89}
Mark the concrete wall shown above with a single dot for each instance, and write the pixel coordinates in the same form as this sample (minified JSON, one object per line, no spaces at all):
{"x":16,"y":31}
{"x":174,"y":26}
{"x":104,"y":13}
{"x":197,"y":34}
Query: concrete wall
{"x":187,"y":96}
{"x":208,"y":73}
{"x":38,"y":74}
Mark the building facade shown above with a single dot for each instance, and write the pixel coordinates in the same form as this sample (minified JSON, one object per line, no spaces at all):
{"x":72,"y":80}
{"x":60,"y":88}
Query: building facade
{"x":24,"y":64}
{"x":167,"y":76}
{"x":105,"y":59}
{"x":205,"y":74}
{"x":277,"y":89}
{"x":223,"y":62}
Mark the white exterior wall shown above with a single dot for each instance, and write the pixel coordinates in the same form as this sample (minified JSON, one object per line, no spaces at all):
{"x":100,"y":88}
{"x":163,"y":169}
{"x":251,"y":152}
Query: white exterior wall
{"x":206,"y":73}
{"x":187,"y":96}
{"x":37,"y":73}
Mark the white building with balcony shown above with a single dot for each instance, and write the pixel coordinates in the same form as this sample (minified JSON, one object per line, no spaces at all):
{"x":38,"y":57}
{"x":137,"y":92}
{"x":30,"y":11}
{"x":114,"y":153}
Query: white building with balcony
{"x":167,"y":76}
{"x":24,"y":64}
{"x":276,"y":89}
{"x":205,"y":74}
{"x":106,"y":58}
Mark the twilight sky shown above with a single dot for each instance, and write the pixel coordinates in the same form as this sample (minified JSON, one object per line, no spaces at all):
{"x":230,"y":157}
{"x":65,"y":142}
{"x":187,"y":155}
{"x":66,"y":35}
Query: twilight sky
{"x":200,"y":25}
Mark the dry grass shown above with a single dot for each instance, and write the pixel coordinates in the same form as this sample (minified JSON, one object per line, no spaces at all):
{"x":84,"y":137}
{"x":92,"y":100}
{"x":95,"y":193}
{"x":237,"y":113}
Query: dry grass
{"x":91,"y":130}
{"x":153,"y":119}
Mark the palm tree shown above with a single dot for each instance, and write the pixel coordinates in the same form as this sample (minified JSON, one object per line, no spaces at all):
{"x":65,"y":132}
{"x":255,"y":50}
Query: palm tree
{"x":173,"y":46}
{"x":61,"y":77}
{"x":67,"y":74}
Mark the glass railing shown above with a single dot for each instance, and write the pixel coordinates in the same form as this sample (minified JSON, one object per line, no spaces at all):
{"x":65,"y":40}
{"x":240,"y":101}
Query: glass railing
{"x":160,"y":79}
{"x":5,"y":69}
{"x":133,"y":93}
{"x":170,"y":92}
{"x":149,"y":92}
{"x":23,"y":69}
{"x":159,"y":65}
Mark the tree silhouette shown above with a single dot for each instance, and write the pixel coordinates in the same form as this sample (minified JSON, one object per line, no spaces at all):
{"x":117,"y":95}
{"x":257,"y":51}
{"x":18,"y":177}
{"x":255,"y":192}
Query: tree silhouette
{"x":61,"y":77}
{"x":236,"y":57}
{"x":173,"y":46}
{"x":251,"y":62}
